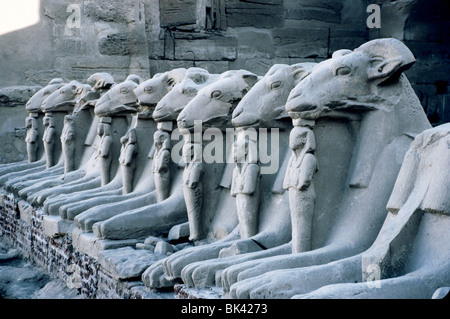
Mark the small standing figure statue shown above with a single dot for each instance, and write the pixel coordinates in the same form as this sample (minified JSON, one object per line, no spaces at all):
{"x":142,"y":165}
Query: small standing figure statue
{"x":299,"y":181}
{"x":68,"y":143}
{"x":245,"y":187}
{"x":49,"y":140}
{"x":31,"y":138}
{"x":160,"y":154}
{"x":104,"y":152}
{"x":126,"y":159}
{"x":193,"y":189}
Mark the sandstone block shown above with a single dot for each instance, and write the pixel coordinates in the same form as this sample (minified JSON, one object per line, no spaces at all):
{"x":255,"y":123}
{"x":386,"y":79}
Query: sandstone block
{"x":214,"y":48}
{"x":292,"y":42}
{"x":178,"y":12}
{"x":260,"y":14}
{"x":163,"y":248}
{"x":116,"y":44}
{"x":55,"y":226}
{"x":17,"y":95}
{"x":126,"y":262}
{"x":178,"y":232}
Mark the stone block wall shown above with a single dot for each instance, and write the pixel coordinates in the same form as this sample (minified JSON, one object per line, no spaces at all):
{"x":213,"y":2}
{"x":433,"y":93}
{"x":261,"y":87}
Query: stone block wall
{"x":59,"y":258}
{"x":253,"y":35}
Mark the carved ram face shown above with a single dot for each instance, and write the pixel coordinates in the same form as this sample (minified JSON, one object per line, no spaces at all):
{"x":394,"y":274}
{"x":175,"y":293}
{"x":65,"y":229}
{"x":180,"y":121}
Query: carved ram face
{"x":182,"y":93}
{"x":35,"y":102}
{"x":264,"y":104}
{"x":215,"y":103}
{"x":65,"y":98}
{"x":151,"y":91}
{"x":120,"y":98}
{"x":350,"y":81}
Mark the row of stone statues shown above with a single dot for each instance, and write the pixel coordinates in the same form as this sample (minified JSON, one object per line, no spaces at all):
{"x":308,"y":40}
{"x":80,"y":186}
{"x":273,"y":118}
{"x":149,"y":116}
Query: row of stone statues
{"x":361,"y":191}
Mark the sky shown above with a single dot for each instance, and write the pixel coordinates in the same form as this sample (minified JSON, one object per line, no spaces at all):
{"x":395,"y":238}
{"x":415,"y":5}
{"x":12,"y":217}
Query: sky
{"x":18,"y":14}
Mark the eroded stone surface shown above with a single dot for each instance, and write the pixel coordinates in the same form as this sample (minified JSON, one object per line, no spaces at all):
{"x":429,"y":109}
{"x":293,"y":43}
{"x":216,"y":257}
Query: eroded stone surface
{"x":126,"y":262}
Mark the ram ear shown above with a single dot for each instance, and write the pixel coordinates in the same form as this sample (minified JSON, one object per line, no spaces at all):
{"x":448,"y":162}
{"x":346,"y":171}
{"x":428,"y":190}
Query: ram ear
{"x":301,"y":70}
{"x":388,"y":59}
{"x":135,"y":78}
{"x":249,"y":78}
{"x":340,"y":53}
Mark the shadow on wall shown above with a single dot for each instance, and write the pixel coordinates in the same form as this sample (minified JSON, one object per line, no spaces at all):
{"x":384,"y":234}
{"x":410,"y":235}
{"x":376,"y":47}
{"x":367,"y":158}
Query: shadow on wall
{"x":427,"y":33}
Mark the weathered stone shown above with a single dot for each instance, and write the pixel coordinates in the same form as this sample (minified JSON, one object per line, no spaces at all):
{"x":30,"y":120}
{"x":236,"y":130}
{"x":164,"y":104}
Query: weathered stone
{"x":178,"y":232}
{"x":300,"y":43}
{"x":152,"y":240}
{"x":323,"y":11}
{"x":183,"y":292}
{"x":145,"y":246}
{"x":116,"y":44}
{"x":214,"y":48}
{"x":17,"y":95}
{"x":163,"y":248}
{"x":64,"y":46}
{"x":55,"y":226}
{"x":112,"y":11}
{"x":176,"y":13}
{"x":126,"y":262}
{"x":260,"y":14}
{"x":42,"y":76}
{"x":252,"y":44}
{"x":88,"y":244}
{"x":25,"y":210}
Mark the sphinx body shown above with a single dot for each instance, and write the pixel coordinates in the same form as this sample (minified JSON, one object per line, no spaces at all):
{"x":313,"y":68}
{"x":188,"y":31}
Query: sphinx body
{"x":406,"y":260}
{"x":132,"y":185}
{"x":263,"y":106}
{"x":172,"y":266}
{"x":162,"y":183}
{"x":371,"y":171}
{"x":36,"y":158}
{"x":55,"y":106}
{"x":115,"y":118}
{"x":77,"y":140}
{"x":143,"y":221}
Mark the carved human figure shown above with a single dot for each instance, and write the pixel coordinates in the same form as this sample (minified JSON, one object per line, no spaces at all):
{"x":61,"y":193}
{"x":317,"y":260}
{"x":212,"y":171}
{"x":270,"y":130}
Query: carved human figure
{"x":68,"y":143}
{"x":193,"y":188}
{"x":126,"y":159}
{"x":48,"y":139}
{"x":104,"y":151}
{"x":245,"y":187}
{"x":160,"y":154}
{"x":299,"y":181}
{"x":31,"y":138}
